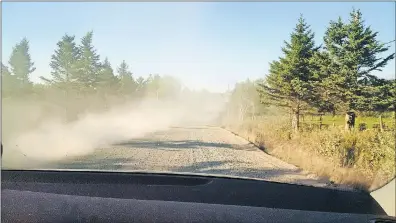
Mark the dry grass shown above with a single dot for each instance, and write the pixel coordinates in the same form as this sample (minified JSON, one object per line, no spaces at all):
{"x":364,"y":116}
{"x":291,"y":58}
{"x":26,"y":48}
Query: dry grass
{"x":363,"y":160}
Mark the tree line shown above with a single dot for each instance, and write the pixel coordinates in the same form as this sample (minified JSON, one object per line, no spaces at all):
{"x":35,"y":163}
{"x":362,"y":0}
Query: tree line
{"x":335,"y":77}
{"x":77,"y":71}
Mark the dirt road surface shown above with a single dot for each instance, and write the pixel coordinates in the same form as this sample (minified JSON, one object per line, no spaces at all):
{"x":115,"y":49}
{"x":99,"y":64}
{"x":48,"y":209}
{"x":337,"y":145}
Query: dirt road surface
{"x":194,"y":149}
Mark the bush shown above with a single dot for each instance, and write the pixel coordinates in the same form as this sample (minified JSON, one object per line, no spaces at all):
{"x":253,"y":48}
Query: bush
{"x":363,"y":159}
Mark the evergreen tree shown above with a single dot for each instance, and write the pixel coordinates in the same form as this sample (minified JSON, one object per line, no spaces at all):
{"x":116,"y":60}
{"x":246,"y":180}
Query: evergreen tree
{"x":64,"y":63}
{"x":21,"y":65}
{"x":89,"y":63}
{"x":8,"y":82}
{"x":290,"y":82}
{"x":141,"y":84}
{"x":107,"y":81}
{"x":127,"y":83}
{"x":64,"y":74}
{"x":123,"y":71}
{"x":354,"y":52}
{"x":379,"y":96}
{"x":326,"y":93}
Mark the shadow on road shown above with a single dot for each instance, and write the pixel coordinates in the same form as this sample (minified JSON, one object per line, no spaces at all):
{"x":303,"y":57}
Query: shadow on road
{"x":181,"y":144}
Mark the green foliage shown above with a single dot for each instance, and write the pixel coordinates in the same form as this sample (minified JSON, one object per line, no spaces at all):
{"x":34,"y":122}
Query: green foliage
{"x":107,"y":81}
{"x":9,"y":82}
{"x":338,"y":120}
{"x":141,"y":86}
{"x":79,"y":81}
{"x":326,"y":93}
{"x":378,"y":96}
{"x":335,"y":79}
{"x":21,"y":65}
{"x":89,"y":62}
{"x":332,"y":80}
{"x":353,"y":50}
{"x":127,"y":84}
{"x":64,"y":63}
{"x":376,"y":151}
{"x":369,"y":151}
{"x":290,"y":80}
{"x":355,"y":158}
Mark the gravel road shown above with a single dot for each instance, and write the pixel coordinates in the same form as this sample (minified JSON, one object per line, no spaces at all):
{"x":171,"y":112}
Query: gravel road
{"x":195,"y":149}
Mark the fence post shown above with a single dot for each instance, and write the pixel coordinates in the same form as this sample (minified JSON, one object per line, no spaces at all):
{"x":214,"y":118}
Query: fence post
{"x":320,"y":121}
{"x":381,"y":124}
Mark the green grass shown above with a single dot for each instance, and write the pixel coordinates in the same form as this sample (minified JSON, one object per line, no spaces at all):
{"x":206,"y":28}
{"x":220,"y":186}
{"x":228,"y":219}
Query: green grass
{"x":339,"y":120}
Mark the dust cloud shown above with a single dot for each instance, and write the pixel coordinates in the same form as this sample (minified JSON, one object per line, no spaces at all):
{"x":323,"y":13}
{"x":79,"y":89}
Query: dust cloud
{"x":40,"y":135}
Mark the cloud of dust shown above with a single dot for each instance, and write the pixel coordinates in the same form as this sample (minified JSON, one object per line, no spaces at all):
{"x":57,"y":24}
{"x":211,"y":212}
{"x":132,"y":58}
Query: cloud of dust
{"x":51,"y":139}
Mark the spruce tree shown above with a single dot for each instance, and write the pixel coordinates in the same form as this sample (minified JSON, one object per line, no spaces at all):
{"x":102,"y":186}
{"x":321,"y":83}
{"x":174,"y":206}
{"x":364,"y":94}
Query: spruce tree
{"x":354,"y":52}
{"x":127,"y":83}
{"x":21,"y":65}
{"x":64,"y":63}
{"x":8,"y":82}
{"x":89,"y":63}
{"x":107,"y":81}
{"x":290,"y":82}
{"x":64,"y":73}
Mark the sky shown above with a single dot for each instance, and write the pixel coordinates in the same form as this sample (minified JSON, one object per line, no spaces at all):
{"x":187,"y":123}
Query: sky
{"x":209,"y":45}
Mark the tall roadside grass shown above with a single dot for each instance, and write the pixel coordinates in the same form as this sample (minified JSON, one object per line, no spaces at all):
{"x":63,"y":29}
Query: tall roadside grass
{"x":360,"y":159}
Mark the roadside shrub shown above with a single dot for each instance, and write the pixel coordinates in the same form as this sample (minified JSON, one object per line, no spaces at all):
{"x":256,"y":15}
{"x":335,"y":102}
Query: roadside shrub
{"x":363,"y":159}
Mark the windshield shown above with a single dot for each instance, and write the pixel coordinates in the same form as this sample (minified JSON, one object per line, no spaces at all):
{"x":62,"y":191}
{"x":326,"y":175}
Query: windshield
{"x":300,"y":93}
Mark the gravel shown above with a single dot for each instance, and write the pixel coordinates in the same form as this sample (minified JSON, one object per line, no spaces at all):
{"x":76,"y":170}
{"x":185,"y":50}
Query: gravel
{"x":197,"y":150}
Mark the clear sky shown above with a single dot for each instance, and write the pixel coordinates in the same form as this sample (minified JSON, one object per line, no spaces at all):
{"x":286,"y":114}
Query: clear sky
{"x":206,"y":45}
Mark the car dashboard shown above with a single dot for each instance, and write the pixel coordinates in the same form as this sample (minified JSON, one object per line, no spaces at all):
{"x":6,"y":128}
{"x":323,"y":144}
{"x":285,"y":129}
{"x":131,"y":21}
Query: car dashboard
{"x":94,"y":196}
